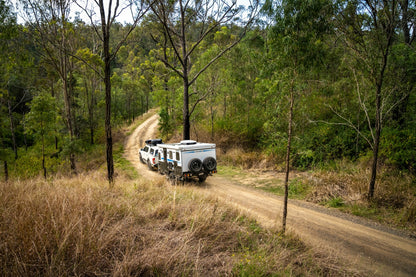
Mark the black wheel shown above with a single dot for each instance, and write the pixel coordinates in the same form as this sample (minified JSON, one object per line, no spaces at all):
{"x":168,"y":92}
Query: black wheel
{"x":210,"y":164}
{"x":195,"y":165}
{"x":149,"y":165}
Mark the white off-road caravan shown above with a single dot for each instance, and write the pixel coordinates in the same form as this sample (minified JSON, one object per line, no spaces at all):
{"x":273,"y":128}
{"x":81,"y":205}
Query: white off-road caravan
{"x":187,"y":159}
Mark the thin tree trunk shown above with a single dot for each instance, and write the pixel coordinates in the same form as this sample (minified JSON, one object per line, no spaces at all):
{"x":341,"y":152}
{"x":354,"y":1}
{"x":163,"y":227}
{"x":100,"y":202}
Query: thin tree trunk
{"x":12,"y":129}
{"x":186,"y":119}
{"x":212,"y":123}
{"x":376,"y":144}
{"x":53,"y":95}
{"x":107,"y":83}
{"x":378,"y":123}
{"x":68,"y":112}
{"x":6,"y":171}
{"x":289,"y":138}
{"x":186,"y":122}
{"x":43,"y":157}
{"x":91,"y":116}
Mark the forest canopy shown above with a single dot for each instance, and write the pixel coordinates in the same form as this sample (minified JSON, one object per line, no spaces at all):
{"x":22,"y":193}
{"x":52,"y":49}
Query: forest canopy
{"x":350,"y":65}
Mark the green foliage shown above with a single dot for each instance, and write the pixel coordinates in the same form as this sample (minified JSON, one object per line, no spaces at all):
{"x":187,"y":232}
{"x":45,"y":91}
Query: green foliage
{"x":42,"y":116}
{"x":165,"y":123}
{"x":336,"y":202}
{"x":238,"y":101}
{"x":398,"y":147}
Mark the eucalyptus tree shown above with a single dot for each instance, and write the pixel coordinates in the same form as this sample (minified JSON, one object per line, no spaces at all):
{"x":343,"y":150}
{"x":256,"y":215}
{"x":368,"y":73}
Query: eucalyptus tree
{"x":102,"y":23}
{"x":90,"y":83}
{"x":185,"y":25}
{"x":52,"y":30}
{"x":15,"y":78}
{"x":8,"y":30}
{"x":369,"y":28}
{"x":295,"y":42}
{"x":41,"y":121}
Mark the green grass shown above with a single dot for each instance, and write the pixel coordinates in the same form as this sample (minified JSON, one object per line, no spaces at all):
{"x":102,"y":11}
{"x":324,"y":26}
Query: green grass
{"x":229,"y":171}
{"x":335,"y":202}
{"x":296,"y":189}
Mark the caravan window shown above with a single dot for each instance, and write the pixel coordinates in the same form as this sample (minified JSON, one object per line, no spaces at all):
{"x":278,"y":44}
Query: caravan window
{"x":178,"y":157}
{"x":170,"y":155}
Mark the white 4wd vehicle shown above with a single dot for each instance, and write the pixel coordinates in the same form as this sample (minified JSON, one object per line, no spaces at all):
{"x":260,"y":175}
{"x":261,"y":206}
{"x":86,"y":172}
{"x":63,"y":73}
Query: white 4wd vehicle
{"x":187,"y":159}
{"x":149,"y":153}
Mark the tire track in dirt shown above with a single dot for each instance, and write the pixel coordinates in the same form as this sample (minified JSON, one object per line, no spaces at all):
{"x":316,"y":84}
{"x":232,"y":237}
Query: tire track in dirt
{"x":370,"y":250}
{"x":146,"y":130}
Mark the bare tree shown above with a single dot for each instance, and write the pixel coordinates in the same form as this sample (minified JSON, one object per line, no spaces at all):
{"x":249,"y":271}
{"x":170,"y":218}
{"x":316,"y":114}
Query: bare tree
{"x":186,"y":24}
{"x":102,"y":26}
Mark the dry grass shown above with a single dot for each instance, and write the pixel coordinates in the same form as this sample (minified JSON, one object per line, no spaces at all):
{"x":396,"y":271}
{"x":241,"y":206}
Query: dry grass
{"x":79,"y":226}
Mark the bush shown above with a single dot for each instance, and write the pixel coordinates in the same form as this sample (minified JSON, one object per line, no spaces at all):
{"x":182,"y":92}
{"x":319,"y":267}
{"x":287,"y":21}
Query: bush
{"x":398,"y":147}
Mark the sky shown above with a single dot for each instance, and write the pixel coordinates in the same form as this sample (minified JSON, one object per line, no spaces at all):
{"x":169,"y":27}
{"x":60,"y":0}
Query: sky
{"x":124,"y":17}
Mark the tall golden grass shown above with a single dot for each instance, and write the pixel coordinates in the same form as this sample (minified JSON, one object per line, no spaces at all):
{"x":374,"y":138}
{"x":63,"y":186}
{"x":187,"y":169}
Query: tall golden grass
{"x":79,"y":226}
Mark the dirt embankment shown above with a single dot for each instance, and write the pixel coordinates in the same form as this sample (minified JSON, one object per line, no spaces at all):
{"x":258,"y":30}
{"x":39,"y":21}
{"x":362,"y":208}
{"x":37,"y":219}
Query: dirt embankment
{"x":377,"y":252}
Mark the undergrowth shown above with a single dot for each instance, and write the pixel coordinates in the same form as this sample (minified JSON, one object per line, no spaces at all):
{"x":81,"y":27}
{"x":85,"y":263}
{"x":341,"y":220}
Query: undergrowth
{"x":346,"y":186}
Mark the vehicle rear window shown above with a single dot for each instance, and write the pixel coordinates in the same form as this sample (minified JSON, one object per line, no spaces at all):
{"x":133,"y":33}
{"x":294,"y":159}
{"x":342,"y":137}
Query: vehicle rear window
{"x":152,"y":151}
{"x":146,"y":149}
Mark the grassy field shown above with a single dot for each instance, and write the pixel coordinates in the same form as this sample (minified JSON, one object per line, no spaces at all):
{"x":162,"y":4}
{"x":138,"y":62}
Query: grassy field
{"x":79,"y":226}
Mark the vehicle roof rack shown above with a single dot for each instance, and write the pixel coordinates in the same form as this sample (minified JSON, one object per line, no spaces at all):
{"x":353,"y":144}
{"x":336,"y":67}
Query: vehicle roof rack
{"x":153,"y":142}
{"x":188,"y":142}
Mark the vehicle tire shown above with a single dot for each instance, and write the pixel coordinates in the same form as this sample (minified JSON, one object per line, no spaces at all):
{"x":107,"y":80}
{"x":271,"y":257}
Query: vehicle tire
{"x":195,"y":165}
{"x":149,"y":165}
{"x":210,"y":164}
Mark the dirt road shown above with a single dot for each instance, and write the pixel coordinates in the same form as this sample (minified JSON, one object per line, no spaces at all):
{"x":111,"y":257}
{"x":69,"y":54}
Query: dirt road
{"x":370,"y":250}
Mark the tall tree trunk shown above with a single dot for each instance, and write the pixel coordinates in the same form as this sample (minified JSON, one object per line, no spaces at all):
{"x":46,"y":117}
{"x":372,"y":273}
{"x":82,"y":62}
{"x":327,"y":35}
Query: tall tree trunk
{"x":53,"y":95}
{"x":91,"y":115}
{"x":6,"y":171}
{"x":107,"y":83}
{"x":12,"y":129}
{"x":67,"y":101}
{"x":68,"y":104}
{"x":186,"y":121}
{"x":378,"y":123}
{"x":212,"y":123}
{"x":371,"y":186}
{"x":185,"y":58}
{"x":289,"y":139}
{"x":43,"y":157}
